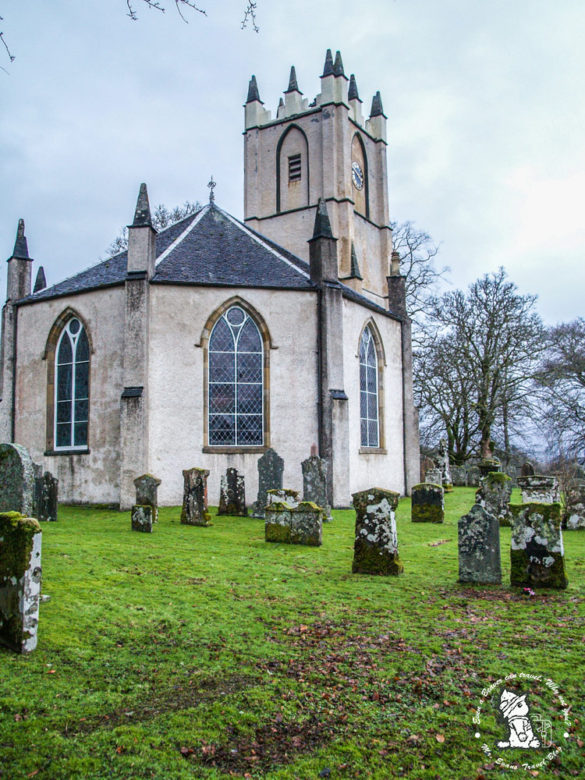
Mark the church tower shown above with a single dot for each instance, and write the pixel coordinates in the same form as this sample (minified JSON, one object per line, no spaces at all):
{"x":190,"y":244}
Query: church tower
{"x":322,"y":149}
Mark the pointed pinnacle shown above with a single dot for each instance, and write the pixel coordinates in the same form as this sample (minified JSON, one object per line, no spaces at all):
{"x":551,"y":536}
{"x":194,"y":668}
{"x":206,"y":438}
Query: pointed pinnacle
{"x":353,"y":90}
{"x":20,"y":245}
{"x":338,"y":66}
{"x":253,"y":93}
{"x":41,"y":281}
{"x":322,"y":227}
{"x":377,"y":109}
{"x":355,"y":268}
{"x":142,"y":216}
{"x":292,"y":82}
{"x":328,"y":67}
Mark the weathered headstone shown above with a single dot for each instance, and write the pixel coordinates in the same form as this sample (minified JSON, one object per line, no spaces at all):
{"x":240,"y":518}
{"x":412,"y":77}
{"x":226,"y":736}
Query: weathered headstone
{"x":426,"y":463}
{"x":294,"y":523}
{"x":232,"y":494}
{"x":147,"y":493}
{"x":487,"y":465}
{"x":527,"y":469}
{"x":46,"y":495}
{"x":270,"y":470}
{"x":20,"y":581}
{"x":494,"y":495}
{"x":459,"y":474}
{"x":479,"y":547}
{"x":290,"y":497}
{"x":434,"y":477}
{"x":574,"y":517}
{"x":473,"y":476}
{"x":539,"y":489}
{"x":17,"y":480}
{"x":536,"y":554}
{"x":376,"y":541}
{"x":195,"y":508}
{"x":428,"y":503}
{"x":142,"y":518}
{"x":315,"y":483}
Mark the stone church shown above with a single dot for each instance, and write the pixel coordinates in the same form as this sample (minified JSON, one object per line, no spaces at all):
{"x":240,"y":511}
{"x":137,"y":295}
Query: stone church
{"x":210,"y":341}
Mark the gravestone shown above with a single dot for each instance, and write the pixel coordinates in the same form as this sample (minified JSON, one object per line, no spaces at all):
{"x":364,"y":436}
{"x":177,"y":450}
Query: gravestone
{"x":527,"y":470}
{"x":315,"y":483}
{"x":459,"y":474}
{"x":479,"y":547}
{"x":142,"y":518}
{"x":487,"y":465}
{"x":536,"y":553}
{"x":232,"y":494}
{"x":20,"y":581}
{"x":376,"y":541}
{"x":428,"y":503}
{"x":17,"y":480}
{"x":270,"y":469}
{"x":46,"y":495}
{"x":574,"y":517}
{"x":426,"y":463}
{"x":446,"y":479}
{"x":298,"y":523}
{"x":290,"y":497}
{"x":494,"y":495}
{"x":434,"y":477}
{"x":539,"y":489}
{"x":473,"y":476}
{"x":195,"y":510}
{"x":147,"y":493}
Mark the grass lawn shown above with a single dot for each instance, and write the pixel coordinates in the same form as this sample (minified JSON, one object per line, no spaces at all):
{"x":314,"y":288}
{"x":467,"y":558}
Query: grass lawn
{"x":207,"y":653}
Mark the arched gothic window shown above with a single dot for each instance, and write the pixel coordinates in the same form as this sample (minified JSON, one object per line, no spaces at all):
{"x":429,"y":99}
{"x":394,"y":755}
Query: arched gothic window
{"x":71,"y":387}
{"x":369,"y":416}
{"x":236,"y":359}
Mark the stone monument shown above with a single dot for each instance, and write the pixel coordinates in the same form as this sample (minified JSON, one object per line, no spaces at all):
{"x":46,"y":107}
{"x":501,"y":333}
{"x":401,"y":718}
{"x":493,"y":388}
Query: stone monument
{"x":376,"y":540}
{"x":195,"y":509}
{"x":479,"y":547}
{"x":270,"y":470}
{"x":232,"y":494}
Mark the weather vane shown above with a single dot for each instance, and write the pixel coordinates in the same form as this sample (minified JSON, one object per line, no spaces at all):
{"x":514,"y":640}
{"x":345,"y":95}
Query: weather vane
{"x":211,"y":186}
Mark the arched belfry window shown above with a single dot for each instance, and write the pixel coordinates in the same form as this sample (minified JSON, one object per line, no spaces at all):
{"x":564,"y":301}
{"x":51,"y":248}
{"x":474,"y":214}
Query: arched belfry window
{"x":71,"y":410}
{"x":236,"y":380}
{"x":369,"y":400}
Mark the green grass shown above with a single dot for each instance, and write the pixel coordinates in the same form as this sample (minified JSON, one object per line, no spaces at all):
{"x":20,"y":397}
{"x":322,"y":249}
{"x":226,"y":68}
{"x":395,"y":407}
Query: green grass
{"x":207,"y":653}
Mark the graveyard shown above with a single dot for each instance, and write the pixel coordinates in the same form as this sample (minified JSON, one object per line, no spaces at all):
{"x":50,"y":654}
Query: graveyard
{"x":204,"y":651}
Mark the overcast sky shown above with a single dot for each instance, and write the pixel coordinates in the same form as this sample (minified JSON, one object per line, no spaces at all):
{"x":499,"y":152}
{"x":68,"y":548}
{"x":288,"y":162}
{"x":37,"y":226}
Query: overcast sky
{"x":484,"y":99}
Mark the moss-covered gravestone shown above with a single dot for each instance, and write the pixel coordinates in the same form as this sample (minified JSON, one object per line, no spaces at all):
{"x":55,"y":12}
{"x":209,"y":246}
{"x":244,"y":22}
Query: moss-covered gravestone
{"x":574,"y":517}
{"x":270,"y":470}
{"x":142,"y":518}
{"x":376,"y":541}
{"x":232,"y":494}
{"x":539,"y":489}
{"x":315,"y":483}
{"x":294,"y":523}
{"x":282,"y":495}
{"x":494,"y":495}
{"x":195,"y":508}
{"x":46,"y":495}
{"x":479,"y":547}
{"x":147,"y":493}
{"x":20,"y":581}
{"x":17,"y":480}
{"x":428,"y":503}
{"x":487,"y":465}
{"x":537,"y":555}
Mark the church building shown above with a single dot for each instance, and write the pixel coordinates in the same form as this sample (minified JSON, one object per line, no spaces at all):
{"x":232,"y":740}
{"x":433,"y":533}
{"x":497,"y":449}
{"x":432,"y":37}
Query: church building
{"x":210,"y":341}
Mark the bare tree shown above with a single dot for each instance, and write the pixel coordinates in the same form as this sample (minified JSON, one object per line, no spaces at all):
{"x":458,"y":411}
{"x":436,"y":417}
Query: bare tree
{"x":161,"y":219}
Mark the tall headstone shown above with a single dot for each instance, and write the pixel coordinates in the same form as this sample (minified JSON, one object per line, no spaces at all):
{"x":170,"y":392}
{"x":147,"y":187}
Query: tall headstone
{"x":232,"y":494}
{"x":479,"y":547}
{"x":147,"y":493}
{"x":539,"y":489}
{"x":376,"y":541}
{"x":494,"y":495}
{"x":315,"y":483}
{"x":195,"y":509}
{"x":17,"y":480}
{"x":20,"y":581}
{"x":427,"y":503}
{"x":536,"y":554}
{"x":270,"y":470}
{"x":574,"y":517}
{"x":46,"y":495}
{"x":299,"y":523}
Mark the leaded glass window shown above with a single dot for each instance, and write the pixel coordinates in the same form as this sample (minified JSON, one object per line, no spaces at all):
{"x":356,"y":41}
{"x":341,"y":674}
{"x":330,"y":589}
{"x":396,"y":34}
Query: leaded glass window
{"x":235,"y":381}
{"x":369,"y":428}
{"x":72,"y":387}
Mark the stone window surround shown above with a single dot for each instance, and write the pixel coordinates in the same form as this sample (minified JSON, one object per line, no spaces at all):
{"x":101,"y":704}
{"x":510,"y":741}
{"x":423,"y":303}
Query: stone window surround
{"x":381,"y":355}
{"x":360,"y":140}
{"x":49,"y":355}
{"x":267,"y":344}
{"x":279,"y":145}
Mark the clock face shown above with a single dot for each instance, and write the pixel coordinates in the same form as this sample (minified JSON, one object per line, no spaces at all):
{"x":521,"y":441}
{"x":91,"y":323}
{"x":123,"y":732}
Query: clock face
{"x":357,"y":176}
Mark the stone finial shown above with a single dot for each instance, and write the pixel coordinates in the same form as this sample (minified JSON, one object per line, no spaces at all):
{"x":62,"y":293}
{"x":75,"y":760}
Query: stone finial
{"x":20,"y":251}
{"x":377,"y":109}
{"x":41,"y":281}
{"x":212,"y":184}
{"x":292,"y":82}
{"x":395,"y":264}
{"x":328,"y":67}
{"x":314,"y":451}
{"x":338,"y":65}
{"x":322,"y":227}
{"x":142,"y":216}
{"x":355,"y":268}
{"x":353,"y":90}
{"x":253,"y":93}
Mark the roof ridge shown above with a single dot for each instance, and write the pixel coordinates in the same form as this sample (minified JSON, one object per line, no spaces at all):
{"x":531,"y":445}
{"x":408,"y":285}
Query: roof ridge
{"x":196,"y":219}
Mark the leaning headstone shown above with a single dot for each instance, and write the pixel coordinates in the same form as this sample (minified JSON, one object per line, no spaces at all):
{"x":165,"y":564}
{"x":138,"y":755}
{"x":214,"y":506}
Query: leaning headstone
{"x":434,"y":477}
{"x":46,"y":495}
{"x":428,"y":503}
{"x":459,"y":474}
{"x":142,"y":518}
{"x":270,"y":469}
{"x":195,"y":511}
{"x":376,"y":541}
{"x":232,"y":494}
{"x":527,"y":469}
{"x":494,"y":495}
{"x":315,"y":483}
{"x":539,"y":489}
{"x":20,"y":581}
{"x":487,"y":465}
{"x":574,"y":517}
{"x":290,"y":497}
{"x":294,"y":523}
{"x":17,"y":480}
{"x":536,"y":554}
{"x":147,"y":493}
{"x":473,"y":476}
{"x":479,"y":547}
